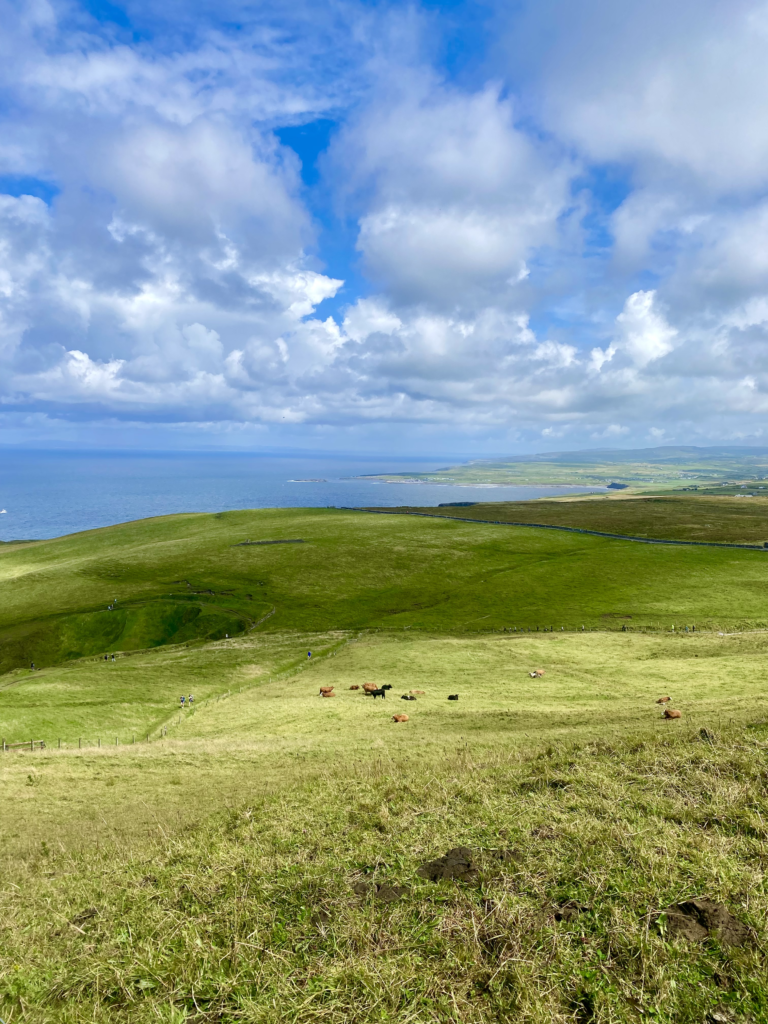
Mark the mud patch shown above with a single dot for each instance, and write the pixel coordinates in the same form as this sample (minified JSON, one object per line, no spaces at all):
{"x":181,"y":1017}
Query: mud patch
{"x":384,"y":893}
{"x":459,"y":864}
{"x":697,"y":920}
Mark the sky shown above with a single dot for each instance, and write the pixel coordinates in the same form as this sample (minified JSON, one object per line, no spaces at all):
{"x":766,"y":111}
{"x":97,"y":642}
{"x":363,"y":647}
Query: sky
{"x":462,"y":226}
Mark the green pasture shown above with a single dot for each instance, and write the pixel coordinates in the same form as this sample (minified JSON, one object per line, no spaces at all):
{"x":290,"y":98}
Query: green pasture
{"x":226,"y":870}
{"x":211,"y":875}
{"x":667,"y":517}
{"x":189,"y":579}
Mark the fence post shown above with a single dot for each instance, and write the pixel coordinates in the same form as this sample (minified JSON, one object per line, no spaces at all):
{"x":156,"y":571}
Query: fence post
{"x":79,"y":743}
{"x":31,"y":744}
{"x":59,"y":744}
{"x":99,"y":740}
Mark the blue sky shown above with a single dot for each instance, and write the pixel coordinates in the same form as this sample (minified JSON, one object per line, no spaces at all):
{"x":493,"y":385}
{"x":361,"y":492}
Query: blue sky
{"x":392,"y":227}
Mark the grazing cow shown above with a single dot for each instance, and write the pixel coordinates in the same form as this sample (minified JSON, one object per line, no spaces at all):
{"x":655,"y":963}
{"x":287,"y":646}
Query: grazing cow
{"x":380,"y":692}
{"x":386,"y":686}
{"x":399,"y":718}
{"x":328,"y":693}
{"x":370,"y":687}
{"x":416,"y":691}
{"x":407,"y":697}
{"x":325,"y":690}
{"x":454,"y":696}
{"x":354,"y":687}
{"x":663,"y":700}
{"x":671,"y":713}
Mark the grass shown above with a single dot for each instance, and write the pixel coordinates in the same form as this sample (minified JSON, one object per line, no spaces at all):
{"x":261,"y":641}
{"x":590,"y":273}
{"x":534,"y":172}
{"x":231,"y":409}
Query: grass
{"x":209,"y":875}
{"x":353,"y":571}
{"x":247,"y":913}
{"x":668,"y":517}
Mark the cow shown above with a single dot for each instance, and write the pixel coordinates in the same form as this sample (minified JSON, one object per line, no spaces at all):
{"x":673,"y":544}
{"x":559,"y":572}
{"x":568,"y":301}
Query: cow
{"x":671,"y":713}
{"x":354,"y":687}
{"x":379,"y":692}
{"x":416,"y":691}
{"x":454,"y":696}
{"x":370,"y":687}
{"x":328,"y":693}
{"x":406,"y":696}
{"x":325,"y":690}
{"x":399,"y":718}
{"x":537,"y":673}
{"x":663,"y":700}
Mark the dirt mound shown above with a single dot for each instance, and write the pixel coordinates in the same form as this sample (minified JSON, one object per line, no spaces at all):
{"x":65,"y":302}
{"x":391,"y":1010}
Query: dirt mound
{"x":459,"y":863}
{"x":383,"y":893}
{"x":697,"y":920}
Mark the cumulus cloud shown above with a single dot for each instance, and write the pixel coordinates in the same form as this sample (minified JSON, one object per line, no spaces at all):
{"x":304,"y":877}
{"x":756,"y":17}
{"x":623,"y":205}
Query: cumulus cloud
{"x":161,"y":255}
{"x":644,"y":332}
{"x":456,"y":196}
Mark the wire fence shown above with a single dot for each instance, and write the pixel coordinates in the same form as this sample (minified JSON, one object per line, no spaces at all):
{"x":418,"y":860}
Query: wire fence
{"x":179,"y":716}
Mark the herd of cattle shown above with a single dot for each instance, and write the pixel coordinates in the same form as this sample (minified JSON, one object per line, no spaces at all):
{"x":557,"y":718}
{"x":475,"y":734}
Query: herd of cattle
{"x":374,"y":690}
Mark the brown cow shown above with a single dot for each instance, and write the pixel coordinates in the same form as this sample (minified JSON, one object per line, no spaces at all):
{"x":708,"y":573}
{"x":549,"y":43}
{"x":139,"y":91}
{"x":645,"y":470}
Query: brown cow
{"x":370,"y":687}
{"x":412,"y":692}
{"x":327,"y":693}
{"x":663,"y":700}
{"x":354,"y":687}
{"x":325,"y":690}
{"x":671,"y":713}
{"x":399,"y":718}
{"x":537,"y":673}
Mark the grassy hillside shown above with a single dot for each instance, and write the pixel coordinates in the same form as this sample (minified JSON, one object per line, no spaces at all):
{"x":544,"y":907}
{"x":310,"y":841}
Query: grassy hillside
{"x":190,"y":578}
{"x":668,"y":517}
{"x":225,"y":873}
{"x":260,"y":859}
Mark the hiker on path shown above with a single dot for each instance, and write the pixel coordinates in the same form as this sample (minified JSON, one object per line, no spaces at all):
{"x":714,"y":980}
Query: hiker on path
{"x":191,"y":700}
{"x":182,"y":700}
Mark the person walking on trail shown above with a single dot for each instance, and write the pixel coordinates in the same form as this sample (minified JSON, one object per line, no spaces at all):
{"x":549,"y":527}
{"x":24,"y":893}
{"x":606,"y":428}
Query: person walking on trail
{"x":309,"y":654}
{"x":190,"y":700}
{"x":182,"y":700}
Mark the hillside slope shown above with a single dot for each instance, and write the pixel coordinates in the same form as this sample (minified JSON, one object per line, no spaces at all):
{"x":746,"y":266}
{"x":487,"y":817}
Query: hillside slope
{"x":192,"y":577}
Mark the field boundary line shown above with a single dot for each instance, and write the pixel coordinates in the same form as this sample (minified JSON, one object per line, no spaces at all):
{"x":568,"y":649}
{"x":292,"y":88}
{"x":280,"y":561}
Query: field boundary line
{"x":565,"y":529}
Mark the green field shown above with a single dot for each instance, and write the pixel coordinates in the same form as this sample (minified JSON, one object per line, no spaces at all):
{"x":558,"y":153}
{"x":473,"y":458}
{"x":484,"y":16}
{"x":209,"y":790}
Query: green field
{"x":188,"y":579}
{"x":226,"y":869}
{"x":668,"y":517}
{"x":646,"y":469}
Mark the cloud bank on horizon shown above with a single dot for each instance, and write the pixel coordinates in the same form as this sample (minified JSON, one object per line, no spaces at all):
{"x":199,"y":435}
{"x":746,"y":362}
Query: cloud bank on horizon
{"x":384,"y":225}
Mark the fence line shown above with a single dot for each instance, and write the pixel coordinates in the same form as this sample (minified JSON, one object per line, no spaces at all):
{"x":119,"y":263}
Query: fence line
{"x":163,"y":731}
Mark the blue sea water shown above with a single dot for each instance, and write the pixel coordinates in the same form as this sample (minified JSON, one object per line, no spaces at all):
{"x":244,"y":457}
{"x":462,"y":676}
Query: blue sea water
{"x":51,"y":493}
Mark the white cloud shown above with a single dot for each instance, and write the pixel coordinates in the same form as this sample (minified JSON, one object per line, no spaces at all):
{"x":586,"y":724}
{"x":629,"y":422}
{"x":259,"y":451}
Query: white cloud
{"x":457,"y":196}
{"x":642,"y":331}
{"x":174,"y":275}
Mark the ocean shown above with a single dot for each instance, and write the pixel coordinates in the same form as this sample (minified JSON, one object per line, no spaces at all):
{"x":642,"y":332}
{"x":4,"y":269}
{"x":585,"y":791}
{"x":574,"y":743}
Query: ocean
{"x":52,"y":493}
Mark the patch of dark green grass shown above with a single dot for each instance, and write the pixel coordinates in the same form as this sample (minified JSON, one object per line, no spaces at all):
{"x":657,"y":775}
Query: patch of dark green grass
{"x":663,"y":517}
